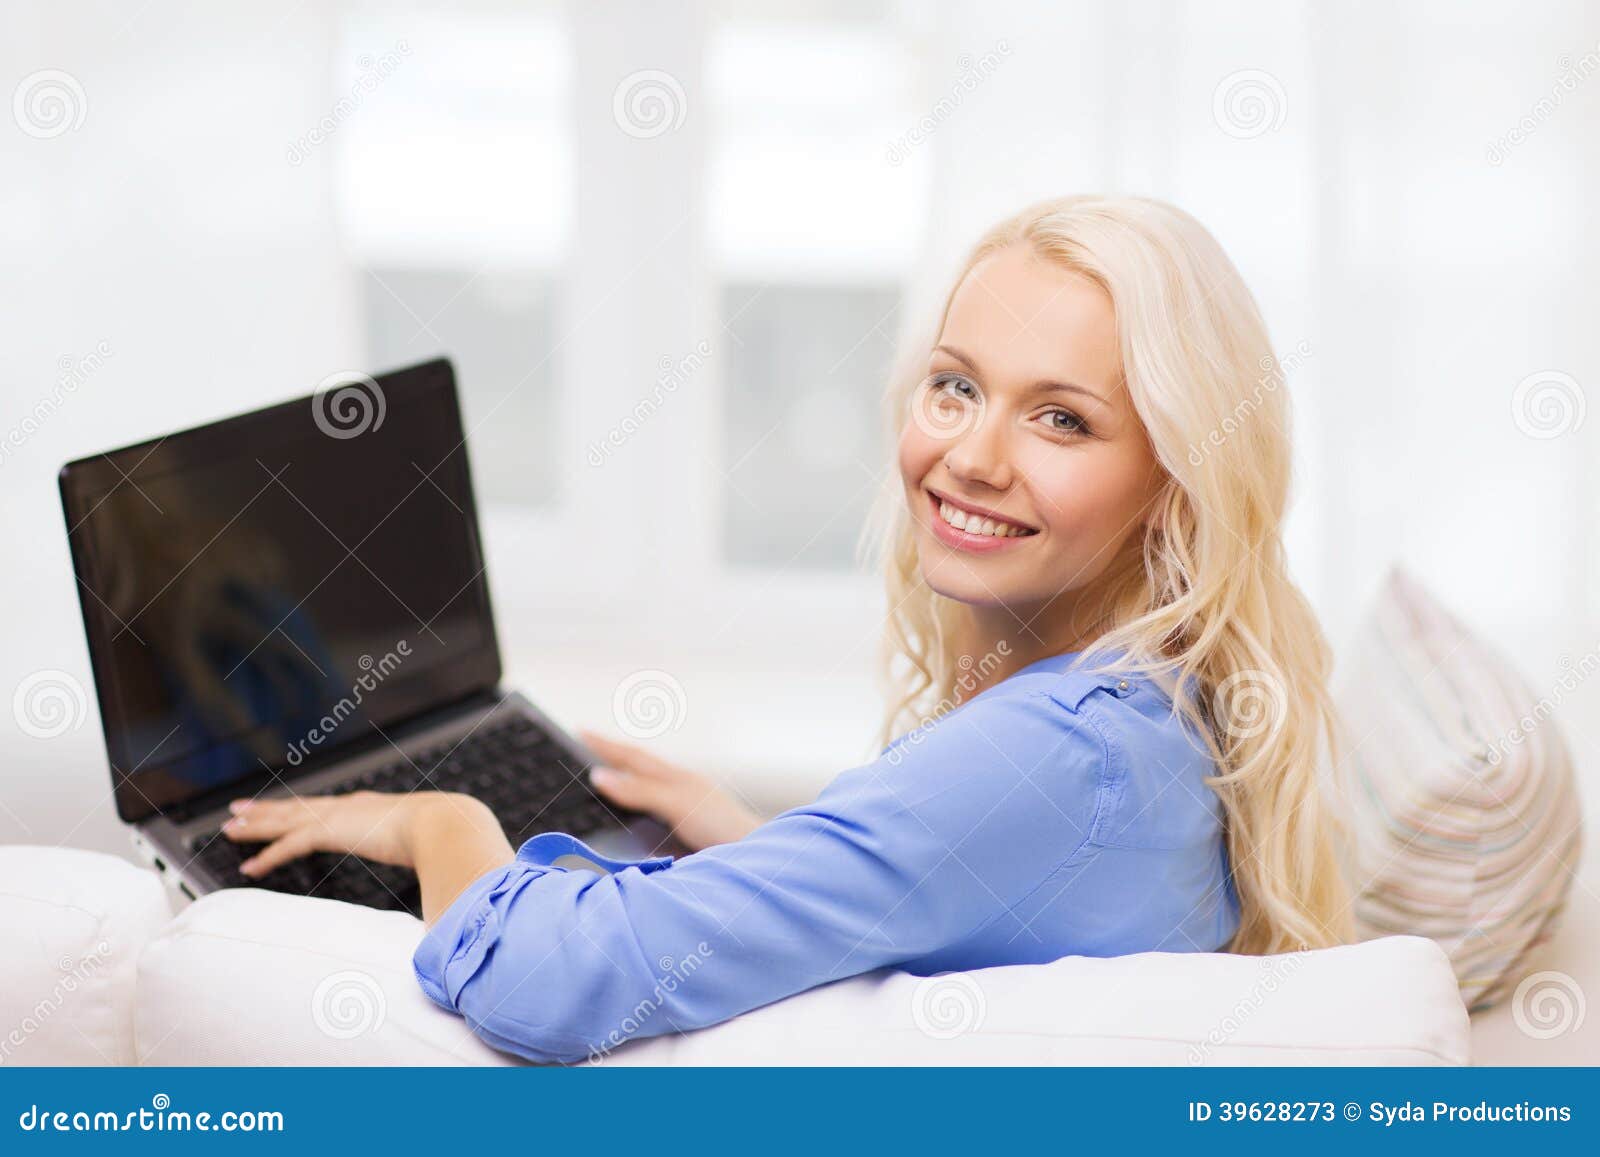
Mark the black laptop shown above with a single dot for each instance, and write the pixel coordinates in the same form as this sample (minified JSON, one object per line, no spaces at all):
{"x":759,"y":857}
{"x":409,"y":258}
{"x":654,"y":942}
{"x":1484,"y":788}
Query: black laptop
{"x":294,"y":601}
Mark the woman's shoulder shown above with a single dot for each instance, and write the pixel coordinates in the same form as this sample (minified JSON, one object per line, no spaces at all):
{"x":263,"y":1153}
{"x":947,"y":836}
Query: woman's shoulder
{"x":1049,"y":701}
{"x":1067,"y":702}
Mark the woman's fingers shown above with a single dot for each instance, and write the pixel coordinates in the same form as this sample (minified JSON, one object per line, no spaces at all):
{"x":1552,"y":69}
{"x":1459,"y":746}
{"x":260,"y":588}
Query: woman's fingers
{"x":632,"y":758}
{"x":617,"y":754}
{"x":287,"y":826}
{"x":297,"y":843}
{"x":254,"y":821}
{"x":621,"y":786}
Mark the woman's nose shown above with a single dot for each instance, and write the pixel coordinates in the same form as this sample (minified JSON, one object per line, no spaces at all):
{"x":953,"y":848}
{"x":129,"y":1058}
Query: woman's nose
{"x":979,"y":456}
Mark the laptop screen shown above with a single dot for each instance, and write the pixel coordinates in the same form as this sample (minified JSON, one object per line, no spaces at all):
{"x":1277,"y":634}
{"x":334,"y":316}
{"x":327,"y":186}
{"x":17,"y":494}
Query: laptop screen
{"x":262,"y":591}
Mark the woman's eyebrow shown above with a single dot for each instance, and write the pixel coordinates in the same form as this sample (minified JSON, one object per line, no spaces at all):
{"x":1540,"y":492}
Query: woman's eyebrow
{"x":1038,"y":387}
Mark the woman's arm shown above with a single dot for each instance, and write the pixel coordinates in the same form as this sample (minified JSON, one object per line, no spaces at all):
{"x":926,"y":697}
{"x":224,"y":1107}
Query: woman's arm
{"x":451,"y":847}
{"x":893,"y":862}
{"x":450,"y":839}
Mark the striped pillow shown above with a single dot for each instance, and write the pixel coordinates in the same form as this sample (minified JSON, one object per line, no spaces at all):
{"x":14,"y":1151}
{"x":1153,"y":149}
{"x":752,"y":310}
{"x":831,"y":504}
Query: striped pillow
{"x":1464,"y":810}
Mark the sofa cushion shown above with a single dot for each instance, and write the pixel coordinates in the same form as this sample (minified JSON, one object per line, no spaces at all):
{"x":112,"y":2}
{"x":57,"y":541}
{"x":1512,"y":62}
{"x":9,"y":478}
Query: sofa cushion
{"x":74,"y":923}
{"x":1465,"y":813}
{"x":254,"y":977}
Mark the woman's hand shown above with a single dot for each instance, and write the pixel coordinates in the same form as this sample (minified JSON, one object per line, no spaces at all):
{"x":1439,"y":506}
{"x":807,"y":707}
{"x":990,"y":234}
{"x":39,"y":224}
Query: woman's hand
{"x":376,"y":825}
{"x":698,"y":812}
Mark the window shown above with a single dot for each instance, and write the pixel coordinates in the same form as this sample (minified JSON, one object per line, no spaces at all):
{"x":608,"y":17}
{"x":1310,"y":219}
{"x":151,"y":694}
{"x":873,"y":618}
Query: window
{"x":455,"y":193}
{"x":813,"y":221}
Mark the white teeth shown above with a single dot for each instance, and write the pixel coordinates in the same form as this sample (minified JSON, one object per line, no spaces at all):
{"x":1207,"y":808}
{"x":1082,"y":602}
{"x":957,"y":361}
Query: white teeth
{"x":973,"y":524}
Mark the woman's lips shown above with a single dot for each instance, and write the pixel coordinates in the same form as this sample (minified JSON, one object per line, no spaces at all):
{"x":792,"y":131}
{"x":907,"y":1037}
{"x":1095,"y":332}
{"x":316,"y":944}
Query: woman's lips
{"x":960,"y":539}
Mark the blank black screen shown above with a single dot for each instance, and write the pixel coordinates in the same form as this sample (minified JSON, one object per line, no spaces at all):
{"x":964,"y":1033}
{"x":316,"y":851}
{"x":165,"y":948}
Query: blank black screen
{"x":261,"y":591}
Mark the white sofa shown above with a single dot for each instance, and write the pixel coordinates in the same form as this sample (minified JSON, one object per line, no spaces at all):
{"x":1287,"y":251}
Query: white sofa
{"x":98,"y":971}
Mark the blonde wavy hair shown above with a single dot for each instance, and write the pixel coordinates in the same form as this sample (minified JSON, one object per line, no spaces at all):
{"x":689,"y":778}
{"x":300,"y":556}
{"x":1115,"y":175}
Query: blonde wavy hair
{"x":1206,"y":608}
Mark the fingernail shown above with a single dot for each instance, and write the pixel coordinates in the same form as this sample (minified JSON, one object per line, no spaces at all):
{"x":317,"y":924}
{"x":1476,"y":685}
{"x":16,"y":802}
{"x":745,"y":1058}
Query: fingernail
{"x":248,"y":867}
{"x":234,"y":824}
{"x":238,"y":805}
{"x":602,"y":775}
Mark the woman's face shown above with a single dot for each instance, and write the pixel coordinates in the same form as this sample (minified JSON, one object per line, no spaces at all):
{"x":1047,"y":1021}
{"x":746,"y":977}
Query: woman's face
{"x":1024,"y":427}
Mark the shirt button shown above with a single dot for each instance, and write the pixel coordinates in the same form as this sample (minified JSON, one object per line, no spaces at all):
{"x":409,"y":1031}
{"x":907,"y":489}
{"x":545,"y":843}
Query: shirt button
{"x":1122,"y":685}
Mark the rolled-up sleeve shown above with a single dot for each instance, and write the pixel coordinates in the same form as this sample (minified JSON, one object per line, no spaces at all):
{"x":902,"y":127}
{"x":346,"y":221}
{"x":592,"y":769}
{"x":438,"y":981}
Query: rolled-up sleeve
{"x":942,"y":834}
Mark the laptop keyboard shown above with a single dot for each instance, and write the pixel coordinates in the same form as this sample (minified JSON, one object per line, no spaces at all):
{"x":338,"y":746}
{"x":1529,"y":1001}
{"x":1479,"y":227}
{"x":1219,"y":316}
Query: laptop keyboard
{"x":532,"y":784}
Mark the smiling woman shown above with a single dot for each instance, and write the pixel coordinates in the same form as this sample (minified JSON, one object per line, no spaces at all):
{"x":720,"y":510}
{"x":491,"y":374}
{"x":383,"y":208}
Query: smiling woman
{"x":1130,"y":767}
{"x":1047,"y":497}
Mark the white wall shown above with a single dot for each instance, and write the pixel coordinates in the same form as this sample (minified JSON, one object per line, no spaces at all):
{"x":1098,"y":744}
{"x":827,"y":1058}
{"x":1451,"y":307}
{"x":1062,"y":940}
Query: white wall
{"x":170,"y":227}
{"x":1384,"y":217}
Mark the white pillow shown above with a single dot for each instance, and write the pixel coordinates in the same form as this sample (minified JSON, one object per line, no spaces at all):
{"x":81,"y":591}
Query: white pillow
{"x":254,"y":977}
{"x":1465,"y":813}
{"x":74,"y":923}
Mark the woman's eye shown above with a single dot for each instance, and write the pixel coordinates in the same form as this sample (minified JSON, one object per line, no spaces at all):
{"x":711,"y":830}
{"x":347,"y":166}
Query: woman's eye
{"x":1065,"y":422}
{"x":953,"y":385}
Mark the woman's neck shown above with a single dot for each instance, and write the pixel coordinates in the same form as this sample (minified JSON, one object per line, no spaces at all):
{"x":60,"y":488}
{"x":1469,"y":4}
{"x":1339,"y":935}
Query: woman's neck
{"x":995,"y":642}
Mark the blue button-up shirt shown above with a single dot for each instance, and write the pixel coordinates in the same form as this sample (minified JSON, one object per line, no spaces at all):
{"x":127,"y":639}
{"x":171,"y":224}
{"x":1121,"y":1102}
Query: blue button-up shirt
{"x":1056,"y":813}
